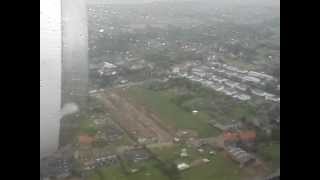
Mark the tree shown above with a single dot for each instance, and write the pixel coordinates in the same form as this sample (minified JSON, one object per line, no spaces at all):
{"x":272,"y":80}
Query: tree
{"x":171,"y":170}
{"x":90,"y":131}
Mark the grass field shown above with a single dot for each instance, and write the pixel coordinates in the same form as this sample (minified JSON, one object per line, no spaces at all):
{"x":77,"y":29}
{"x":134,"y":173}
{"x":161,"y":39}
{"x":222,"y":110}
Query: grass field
{"x":148,"y":171}
{"x":172,"y":154}
{"x":87,"y":126}
{"x":220,"y":166}
{"x":270,"y":153}
{"x":175,"y":108}
{"x":167,"y":153}
{"x":160,"y":103}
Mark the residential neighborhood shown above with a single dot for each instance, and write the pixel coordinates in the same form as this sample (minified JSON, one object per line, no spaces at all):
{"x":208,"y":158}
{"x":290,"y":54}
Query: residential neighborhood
{"x":175,"y":90}
{"x":228,"y":80}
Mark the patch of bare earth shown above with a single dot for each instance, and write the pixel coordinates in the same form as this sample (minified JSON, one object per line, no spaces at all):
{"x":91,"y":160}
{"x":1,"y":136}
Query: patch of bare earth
{"x":135,"y":119}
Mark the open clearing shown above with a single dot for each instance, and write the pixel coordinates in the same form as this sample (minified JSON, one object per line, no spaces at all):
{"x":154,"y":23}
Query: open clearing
{"x":172,"y":115}
{"x":135,"y":119}
{"x":147,"y":171}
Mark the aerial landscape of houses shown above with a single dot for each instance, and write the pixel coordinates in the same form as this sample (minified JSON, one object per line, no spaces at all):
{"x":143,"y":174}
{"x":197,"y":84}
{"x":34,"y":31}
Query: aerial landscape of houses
{"x":177,"y":90}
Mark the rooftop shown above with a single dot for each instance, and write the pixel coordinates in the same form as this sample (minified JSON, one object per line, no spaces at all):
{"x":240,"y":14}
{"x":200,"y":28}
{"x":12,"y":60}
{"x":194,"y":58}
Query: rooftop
{"x":85,"y":139}
{"x":240,"y":155}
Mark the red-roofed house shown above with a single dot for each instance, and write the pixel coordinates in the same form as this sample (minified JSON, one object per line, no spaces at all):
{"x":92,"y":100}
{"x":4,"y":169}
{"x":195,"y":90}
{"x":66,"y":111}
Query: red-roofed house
{"x":85,"y":140}
{"x":230,"y":138}
{"x":245,"y":138}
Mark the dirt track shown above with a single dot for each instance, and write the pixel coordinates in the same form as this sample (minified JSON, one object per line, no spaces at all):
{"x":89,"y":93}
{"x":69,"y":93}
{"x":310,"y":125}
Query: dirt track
{"x":137,"y":121}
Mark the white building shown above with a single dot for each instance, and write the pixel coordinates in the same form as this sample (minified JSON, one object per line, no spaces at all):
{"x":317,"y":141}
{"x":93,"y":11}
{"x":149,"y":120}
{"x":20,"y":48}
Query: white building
{"x":108,"y":65}
{"x":251,"y":79}
{"x":258,"y":92}
{"x":176,"y":70}
{"x":219,"y":79}
{"x":229,"y":91}
{"x":242,"y":87}
{"x":268,"y":95}
{"x":183,"y":166}
{"x":274,"y":99}
{"x":242,"y":97}
{"x":219,"y":88}
{"x":261,"y":75}
{"x":231,"y":84}
{"x":220,"y":70}
{"x":200,"y":74}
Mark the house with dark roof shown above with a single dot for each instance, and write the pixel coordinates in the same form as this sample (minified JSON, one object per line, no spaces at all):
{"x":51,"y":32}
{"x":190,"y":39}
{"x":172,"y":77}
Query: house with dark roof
{"x":55,"y":167}
{"x":241,"y":156}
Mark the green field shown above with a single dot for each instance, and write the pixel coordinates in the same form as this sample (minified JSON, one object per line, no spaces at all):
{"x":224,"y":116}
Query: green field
{"x":87,"y":126}
{"x":176,"y":99}
{"x":270,"y":153}
{"x":161,"y":104}
{"x":148,"y":171}
{"x":167,"y":153}
{"x":220,"y":166}
{"x":172,"y":154}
